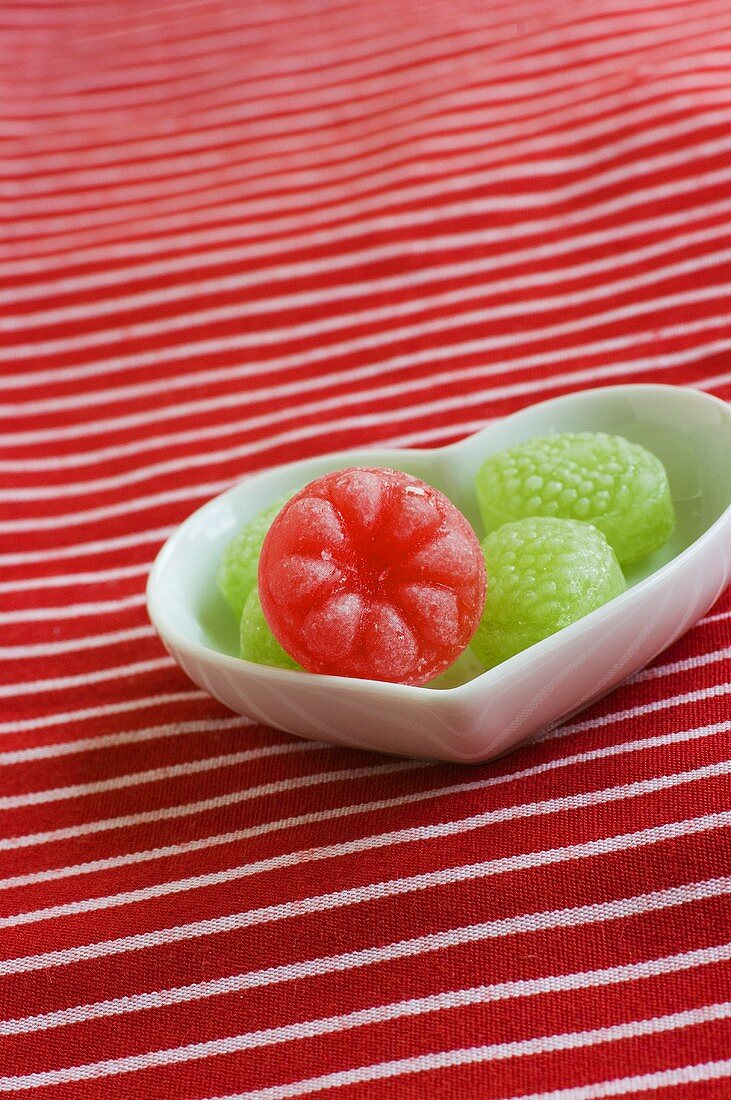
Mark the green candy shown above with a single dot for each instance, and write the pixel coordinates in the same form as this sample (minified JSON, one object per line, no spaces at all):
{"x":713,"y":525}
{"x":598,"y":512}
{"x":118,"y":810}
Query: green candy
{"x":619,"y":486}
{"x":257,"y":641}
{"x":237,"y":574}
{"x":542,"y":575}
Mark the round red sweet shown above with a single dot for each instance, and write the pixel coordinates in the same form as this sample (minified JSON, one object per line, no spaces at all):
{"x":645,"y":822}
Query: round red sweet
{"x":372,"y":573}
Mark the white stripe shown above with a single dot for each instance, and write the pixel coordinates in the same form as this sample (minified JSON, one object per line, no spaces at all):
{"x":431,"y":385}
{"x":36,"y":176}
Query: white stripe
{"x":145,"y":855}
{"x":505,"y":200}
{"x":619,"y":909}
{"x":715,"y":382}
{"x":329,"y":195}
{"x":700,"y":32}
{"x":384,"y":367}
{"x":442,"y":433}
{"x":312,"y":238}
{"x":27,"y":18}
{"x":178,"y":49}
{"x":481,"y":994}
{"x":325,"y":33}
{"x":716,"y":618}
{"x":380,"y":370}
{"x":645,"y":1082}
{"x":59,"y":522}
{"x":211,"y":763}
{"x":314,"y":96}
{"x":184,"y":291}
{"x":319,"y":56}
{"x":327,"y":53}
{"x":235,"y":797}
{"x":127,"y":737}
{"x":417,"y":1064}
{"x":698,"y":661}
{"x":643,"y":708}
{"x":395,"y":363}
{"x":487,"y":265}
{"x":217,"y":42}
{"x":381,"y":314}
{"x":186,"y":150}
{"x":433,"y":354}
{"x":62,"y":580}
{"x":222,"y":924}
{"x":422,"y":833}
{"x":72,"y":645}
{"x":60,"y":683}
{"x":237,"y":233}
{"x":261,"y":78}
{"x":472,"y":207}
{"x":378,"y":1014}
{"x":71,"y":611}
{"x":101,"y":171}
{"x":478,"y":397}
{"x":298,"y":410}
{"x":198,"y":211}
{"x":82,"y":549}
{"x":211,"y":114}
{"x":712,"y":58}
{"x":218,"y":82}
{"x":289,"y":151}
{"x":431,"y":102}
{"x":87,"y":713}
{"x":217,"y":45}
{"x":90,"y":743}
{"x":167,"y":813}
{"x":445,"y":1059}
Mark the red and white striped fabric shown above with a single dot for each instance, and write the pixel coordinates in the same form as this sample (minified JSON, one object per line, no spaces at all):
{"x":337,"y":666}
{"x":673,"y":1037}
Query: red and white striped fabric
{"x":237,"y":234}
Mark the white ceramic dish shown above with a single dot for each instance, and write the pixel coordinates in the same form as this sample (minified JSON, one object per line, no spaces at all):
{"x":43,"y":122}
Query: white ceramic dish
{"x":471,"y":715}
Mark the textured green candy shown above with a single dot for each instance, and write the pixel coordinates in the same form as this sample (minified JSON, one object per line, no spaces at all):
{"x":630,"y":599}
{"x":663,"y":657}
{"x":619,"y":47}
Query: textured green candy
{"x":542,"y":575}
{"x":240,"y":562}
{"x":618,"y":486}
{"x":257,"y":641}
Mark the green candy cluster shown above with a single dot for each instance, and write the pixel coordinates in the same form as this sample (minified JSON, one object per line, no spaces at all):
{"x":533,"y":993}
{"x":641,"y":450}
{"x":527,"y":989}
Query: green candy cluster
{"x":618,"y":486}
{"x":237,"y":582}
{"x":542,"y":575}
{"x":562,"y":512}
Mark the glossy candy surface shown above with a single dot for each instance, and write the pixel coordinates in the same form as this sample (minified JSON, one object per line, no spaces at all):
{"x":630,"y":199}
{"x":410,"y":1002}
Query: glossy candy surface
{"x":372,"y":573}
{"x":544,"y":574}
{"x":620,"y":487}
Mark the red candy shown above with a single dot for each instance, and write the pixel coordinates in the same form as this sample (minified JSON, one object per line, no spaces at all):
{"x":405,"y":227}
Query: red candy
{"x":372,"y":573}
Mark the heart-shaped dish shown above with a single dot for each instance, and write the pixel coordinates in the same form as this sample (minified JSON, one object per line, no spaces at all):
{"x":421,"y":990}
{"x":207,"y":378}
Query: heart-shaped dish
{"x":470,"y":715}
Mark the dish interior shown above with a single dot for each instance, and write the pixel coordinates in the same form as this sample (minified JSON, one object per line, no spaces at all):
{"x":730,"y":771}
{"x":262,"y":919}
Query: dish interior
{"x":695,"y":449}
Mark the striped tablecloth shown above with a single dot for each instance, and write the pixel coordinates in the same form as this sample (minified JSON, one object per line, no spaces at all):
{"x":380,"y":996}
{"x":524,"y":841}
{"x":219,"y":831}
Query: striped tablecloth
{"x":235,"y":234}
